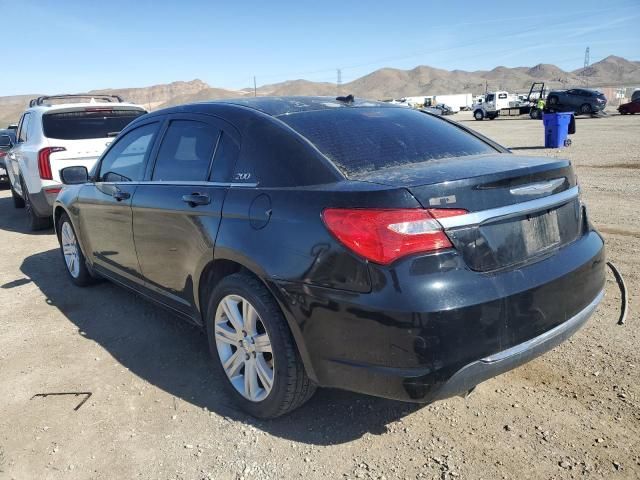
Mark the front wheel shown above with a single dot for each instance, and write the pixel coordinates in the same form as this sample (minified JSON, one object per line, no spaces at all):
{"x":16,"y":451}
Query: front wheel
{"x":586,"y":109}
{"x":478,"y":114}
{"x":72,"y":255}
{"x":253,"y":349}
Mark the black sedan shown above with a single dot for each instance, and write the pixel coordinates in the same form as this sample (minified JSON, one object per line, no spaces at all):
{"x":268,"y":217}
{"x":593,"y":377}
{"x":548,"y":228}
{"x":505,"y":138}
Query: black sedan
{"x":337,"y":242}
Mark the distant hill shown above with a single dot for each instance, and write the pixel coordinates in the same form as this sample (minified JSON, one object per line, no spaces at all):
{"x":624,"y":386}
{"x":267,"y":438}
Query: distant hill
{"x":384,"y":83}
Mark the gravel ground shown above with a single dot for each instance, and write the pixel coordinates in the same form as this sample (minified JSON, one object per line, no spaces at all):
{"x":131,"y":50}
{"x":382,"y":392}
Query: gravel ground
{"x":156,"y":410}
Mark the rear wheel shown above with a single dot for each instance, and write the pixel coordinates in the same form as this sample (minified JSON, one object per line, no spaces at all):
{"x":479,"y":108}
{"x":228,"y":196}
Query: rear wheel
{"x":478,"y":114}
{"x":586,"y":109}
{"x":72,"y":255}
{"x":18,"y":201}
{"x":253,"y":349}
{"x":35,"y":221}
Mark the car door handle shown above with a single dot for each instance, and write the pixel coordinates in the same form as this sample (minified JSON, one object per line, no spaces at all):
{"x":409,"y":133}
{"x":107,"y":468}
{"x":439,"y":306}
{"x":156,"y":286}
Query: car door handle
{"x":120,"y":195}
{"x":196,"y":199}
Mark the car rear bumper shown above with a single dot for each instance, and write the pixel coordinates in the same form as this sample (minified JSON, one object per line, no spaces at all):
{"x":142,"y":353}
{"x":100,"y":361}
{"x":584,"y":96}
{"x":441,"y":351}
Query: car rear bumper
{"x":432,"y":328}
{"x":476,"y":372}
{"x":43,"y":201}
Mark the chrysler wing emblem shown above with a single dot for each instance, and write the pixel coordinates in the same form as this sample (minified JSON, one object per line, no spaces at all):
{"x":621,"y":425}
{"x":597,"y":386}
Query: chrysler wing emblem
{"x":538,"y":188}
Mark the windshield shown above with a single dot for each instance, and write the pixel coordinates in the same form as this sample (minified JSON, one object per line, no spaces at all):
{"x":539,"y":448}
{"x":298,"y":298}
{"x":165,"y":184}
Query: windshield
{"x":88,"y":123}
{"x":362,"y":140}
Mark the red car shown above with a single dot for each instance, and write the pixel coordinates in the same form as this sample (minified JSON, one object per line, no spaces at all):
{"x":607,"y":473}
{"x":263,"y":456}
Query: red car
{"x":631,"y":107}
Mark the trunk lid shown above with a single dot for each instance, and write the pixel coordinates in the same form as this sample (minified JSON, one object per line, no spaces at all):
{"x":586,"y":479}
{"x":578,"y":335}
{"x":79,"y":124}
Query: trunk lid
{"x":517,"y":218}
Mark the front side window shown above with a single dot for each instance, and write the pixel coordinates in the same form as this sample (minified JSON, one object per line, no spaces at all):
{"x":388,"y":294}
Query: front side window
{"x":186,"y":151}
{"x":125,"y":161}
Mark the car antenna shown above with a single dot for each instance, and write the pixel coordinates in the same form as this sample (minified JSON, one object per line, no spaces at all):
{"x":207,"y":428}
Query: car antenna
{"x":348,"y":99}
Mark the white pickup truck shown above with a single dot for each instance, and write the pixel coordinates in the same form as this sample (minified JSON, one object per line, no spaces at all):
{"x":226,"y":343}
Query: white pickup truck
{"x":53,"y":136}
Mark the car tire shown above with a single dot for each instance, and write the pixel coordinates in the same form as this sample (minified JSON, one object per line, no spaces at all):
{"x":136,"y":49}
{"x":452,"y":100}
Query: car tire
{"x":535,"y":114}
{"x":35,"y":221}
{"x":586,"y":109}
{"x":478,"y":115}
{"x":72,"y":256}
{"x":18,"y":201}
{"x":284,"y":384}
{"x":552,"y":100}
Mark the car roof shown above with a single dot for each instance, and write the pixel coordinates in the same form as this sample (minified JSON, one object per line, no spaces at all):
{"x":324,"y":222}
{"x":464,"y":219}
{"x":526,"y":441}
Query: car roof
{"x":284,"y":105}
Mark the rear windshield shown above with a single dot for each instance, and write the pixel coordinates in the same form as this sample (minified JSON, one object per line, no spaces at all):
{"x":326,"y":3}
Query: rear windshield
{"x":362,"y":140}
{"x":89,"y":123}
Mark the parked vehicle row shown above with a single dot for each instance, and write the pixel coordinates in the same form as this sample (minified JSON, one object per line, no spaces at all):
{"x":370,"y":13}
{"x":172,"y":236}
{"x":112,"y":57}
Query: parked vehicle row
{"x":580,"y":101}
{"x":336,"y":242}
{"x":51,"y":136}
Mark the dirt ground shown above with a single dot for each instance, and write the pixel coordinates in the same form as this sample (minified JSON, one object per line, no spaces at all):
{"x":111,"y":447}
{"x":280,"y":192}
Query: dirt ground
{"x":156,"y":410}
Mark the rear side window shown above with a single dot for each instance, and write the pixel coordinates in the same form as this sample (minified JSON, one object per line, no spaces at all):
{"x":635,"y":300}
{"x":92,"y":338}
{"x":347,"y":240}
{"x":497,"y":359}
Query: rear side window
{"x":186,"y":151}
{"x":225,"y":159}
{"x":88,"y":123}
{"x":362,"y":140}
{"x":24,"y":126}
{"x":125,"y":161}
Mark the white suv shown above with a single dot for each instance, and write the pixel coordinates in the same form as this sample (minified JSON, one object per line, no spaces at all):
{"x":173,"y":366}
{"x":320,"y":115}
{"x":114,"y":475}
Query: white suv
{"x":53,"y":136}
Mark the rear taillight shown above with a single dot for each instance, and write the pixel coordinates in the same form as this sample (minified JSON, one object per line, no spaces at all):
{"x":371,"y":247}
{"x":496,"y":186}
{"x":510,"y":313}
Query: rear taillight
{"x":44,"y":164}
{"x":383,"y":236}
{"x":3,"y":154}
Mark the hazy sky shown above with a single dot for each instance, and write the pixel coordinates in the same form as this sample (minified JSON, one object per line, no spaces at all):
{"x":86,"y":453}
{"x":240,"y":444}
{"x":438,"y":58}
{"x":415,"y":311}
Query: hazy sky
{"x":72,"y":45}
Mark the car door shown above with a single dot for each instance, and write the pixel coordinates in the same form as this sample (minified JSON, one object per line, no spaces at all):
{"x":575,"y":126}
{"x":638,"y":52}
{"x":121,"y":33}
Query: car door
{"x":105,"y":204}
{"x":176,"y":213}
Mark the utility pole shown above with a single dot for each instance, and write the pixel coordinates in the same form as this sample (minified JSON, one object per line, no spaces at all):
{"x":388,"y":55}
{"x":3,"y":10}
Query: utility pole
{"x":586,"y":65}
{"x":255,"y":93}
{"x":339,"y":82}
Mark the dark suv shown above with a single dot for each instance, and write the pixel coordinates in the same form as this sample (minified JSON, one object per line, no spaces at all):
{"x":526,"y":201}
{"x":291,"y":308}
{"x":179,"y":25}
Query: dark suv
{"x":578,"y":100}
{"x":338,"y":243}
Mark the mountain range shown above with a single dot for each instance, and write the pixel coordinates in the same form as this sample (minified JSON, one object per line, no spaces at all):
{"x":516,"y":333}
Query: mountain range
{"x":384,"y":83}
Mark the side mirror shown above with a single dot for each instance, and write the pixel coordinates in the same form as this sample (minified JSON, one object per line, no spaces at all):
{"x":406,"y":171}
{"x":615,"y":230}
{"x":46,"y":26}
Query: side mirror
{"x":5,"y":141}
{"x":74,"y":175}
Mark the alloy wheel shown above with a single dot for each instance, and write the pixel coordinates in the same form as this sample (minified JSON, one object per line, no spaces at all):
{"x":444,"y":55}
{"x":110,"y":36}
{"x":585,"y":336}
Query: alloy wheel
{"x":244,"y":348}
{"x":70,"y":249}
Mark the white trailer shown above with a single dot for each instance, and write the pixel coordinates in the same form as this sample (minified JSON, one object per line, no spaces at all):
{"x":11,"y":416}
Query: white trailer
{"x":457,"y":102}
